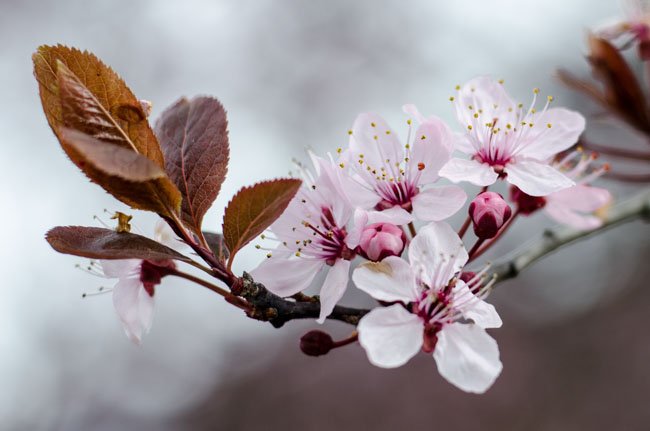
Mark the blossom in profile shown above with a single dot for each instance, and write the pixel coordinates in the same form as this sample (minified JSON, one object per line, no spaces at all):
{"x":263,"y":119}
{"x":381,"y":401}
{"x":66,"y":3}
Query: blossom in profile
{"x":388,"y":174}
{"x":312,"y":235}
{"x":574,"y":206}
{"x":635,"y":25}
{"x":505,"y":140}
{"x":433,"y":310}
{"x":134,"y":291}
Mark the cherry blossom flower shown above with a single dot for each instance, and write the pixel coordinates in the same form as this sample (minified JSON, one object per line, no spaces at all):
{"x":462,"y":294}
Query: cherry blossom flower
{"x":504,"y":140}
{"x":388,"y":174}
{"x":635,"y":24}
{"x":134,"y":291}
{"x":573,"y":206}
{"x":432,"y":311}
{"x":312,"y":235}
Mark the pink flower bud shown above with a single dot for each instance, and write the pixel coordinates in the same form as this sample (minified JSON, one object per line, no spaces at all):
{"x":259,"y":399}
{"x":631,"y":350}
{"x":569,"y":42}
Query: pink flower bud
{"x":380,"y":240}
{"x":526,"y":204}
{"x":489,"y":211}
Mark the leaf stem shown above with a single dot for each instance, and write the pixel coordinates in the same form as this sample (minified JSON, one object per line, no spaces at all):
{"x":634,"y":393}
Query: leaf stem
{"x":235,"y":300}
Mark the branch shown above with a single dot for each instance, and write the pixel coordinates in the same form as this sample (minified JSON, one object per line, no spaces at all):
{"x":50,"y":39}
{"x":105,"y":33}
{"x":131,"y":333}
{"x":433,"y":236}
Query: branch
{"x":554,"y":239}
{"x":267,"y":306}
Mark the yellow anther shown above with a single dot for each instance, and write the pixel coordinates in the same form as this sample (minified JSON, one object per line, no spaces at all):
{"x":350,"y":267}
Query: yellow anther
{"x":349,"y":132}
{"x":407,"y":146}
{"x":531,"y":124}
{"x":533,"y":110}
{"x":451,"y":99}
{"x":469,"y":127}
{"x":375,"y":137}
{"x":423,"y":137}
{"x":388,"y":132}
{"x":408,"y":121}
{"x":257,"y":246}
{"x":550,"y":98}
{"x":476,"y":115}
{"x":470,"y":107}
{"x":361,"y":156}
{"x":342,"y":165}
{"x":297,"y":254}
{"x":338,"y":150}
{"x":373,"y":124}
{"x":501,"y":81}
{"x":457,"y":87}
{"x":536,"y":90}
{"x":268,"y":255}
{"x":508,"y":126}
{"x":549,"y":125}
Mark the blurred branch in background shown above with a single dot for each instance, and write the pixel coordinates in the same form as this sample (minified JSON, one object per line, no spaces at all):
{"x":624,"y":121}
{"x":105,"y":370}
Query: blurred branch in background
{"x":554,"y":239}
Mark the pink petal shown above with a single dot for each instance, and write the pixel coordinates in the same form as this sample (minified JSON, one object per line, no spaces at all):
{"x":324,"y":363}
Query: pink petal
{"x":120,"y":268}
{"x":134,"y":307}
{"x":438,"y":203}
{"x":432,"y":249}
{"x":373,"y":142}
{"x":390,"y":336}
{"x":432,"y":152}
{"x":580,"y":198}
{"x":286,"y":277}
{"x":572,"y":218}
{"x":333,"y":288}
{"x":536,"y":178}
{"x":388,"y":280}
{"x":475,"y":309}
{"x":414,"y":112}
{"x":480,"y":174}
{"x":467,"y":357}
{"x":566,"y":127}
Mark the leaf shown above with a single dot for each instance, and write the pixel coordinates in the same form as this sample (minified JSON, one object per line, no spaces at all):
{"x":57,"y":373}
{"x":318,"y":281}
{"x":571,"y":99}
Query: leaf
{"x":253,"y":209}
{"x":217,"y":245}
{"x":623,"y":92}
{"x":127,"y":175}
{"x":101,"y":243}
{"x":78,"y":91}
{"x":194,"y":138}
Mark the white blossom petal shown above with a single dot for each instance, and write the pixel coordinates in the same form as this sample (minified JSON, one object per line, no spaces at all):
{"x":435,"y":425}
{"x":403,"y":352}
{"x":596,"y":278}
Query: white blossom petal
{"x":474,"y":308}
{"x":480,"y":174}
{"x":134,"y":307}
{"x":286,"y":277}
{"x":432,"y":146}
{"x":388,"y":280}
{"x":333,"y":287}
{"x":536,"y":178}
{"x":467,"y":357}
{"x":120,"y":268}
{"x":434,"y":247}
{"x":545,"y":142}
{"x":438,"y":203}
{"x":390,"y":336}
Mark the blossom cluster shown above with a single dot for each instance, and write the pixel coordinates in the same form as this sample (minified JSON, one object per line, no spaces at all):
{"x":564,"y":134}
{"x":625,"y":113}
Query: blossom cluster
{"x":366,"y":200}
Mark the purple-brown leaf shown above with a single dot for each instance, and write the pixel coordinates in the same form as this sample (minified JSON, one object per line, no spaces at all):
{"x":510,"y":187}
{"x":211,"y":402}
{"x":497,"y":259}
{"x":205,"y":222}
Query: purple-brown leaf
{"x":193,"y":136}
{"x":127,"y":175}
{"x":101,"y":243}
{"x":253,"y":209}
{"x":217,"y":245}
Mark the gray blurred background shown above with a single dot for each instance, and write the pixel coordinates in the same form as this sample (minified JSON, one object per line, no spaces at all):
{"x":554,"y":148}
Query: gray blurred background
{"x":294,"y":74}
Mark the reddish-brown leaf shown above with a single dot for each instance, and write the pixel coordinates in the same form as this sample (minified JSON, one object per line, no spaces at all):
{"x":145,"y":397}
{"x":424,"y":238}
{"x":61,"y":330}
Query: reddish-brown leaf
{"x":623,"y":92}
{"x":217,"y":245}
{"x":100,"y":243}
{"x":97,"y":101}
{"x":127,"y":175}
{"x":253,"y":209}
{"x":194,"y":138}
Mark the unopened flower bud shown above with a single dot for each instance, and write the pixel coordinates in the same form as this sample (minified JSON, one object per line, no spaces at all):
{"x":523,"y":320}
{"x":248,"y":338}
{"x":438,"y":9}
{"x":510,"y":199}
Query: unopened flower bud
{"x":489,"y":212}
{"x":380,"y":240}
{"x":316,"y":343}
{"x":526,"y":204}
